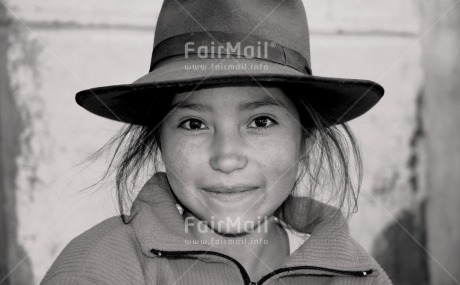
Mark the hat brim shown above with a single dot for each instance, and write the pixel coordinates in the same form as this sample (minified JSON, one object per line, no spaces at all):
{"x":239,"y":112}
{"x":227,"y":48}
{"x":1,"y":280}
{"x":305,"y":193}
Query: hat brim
{"x":338,"y":99}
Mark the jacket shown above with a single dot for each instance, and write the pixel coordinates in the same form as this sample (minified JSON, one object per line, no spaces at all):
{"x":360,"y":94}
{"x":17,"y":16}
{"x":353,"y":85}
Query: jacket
{"x":150,"y":249}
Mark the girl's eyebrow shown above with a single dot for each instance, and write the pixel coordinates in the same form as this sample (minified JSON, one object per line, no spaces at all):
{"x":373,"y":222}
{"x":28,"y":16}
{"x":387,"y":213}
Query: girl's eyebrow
{"x":250,"y":105}
{"x":265,"y":102}
{"x":191,"y":106}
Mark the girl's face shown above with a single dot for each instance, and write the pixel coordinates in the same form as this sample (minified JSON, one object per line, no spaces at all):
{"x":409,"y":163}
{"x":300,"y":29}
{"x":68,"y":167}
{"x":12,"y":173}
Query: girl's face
{"x":231,"y":154}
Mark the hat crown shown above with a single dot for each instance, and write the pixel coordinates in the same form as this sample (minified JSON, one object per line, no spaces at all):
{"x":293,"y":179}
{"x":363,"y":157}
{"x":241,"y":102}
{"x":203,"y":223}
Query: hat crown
{"x":205,"y":43}
{"x":284,"y":22}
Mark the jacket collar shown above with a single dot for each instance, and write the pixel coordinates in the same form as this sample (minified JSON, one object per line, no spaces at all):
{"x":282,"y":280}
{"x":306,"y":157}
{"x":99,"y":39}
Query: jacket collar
{"x":159,"y":225}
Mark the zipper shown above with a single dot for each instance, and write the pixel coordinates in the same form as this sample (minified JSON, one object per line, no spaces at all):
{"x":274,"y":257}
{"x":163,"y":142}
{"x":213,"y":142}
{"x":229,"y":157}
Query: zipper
{"x":246,"y":278}
{"x":244,"y":273}
{"x":278,"y":271}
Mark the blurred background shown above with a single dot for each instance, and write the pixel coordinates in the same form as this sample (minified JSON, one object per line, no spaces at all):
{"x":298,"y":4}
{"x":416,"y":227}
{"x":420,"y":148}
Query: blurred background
{"x":409,"y":207}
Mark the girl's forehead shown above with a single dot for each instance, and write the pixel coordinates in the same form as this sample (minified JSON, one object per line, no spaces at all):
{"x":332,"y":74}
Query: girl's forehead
{"x":246,"y":97}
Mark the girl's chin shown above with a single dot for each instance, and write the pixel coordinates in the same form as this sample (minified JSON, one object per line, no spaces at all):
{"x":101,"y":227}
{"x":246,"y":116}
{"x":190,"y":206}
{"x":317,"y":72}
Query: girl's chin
{"x":229,"y":233}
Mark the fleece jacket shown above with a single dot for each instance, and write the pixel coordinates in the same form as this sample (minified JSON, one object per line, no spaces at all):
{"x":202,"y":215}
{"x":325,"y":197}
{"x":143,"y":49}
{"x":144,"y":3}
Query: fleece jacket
{"x":151,"y":247}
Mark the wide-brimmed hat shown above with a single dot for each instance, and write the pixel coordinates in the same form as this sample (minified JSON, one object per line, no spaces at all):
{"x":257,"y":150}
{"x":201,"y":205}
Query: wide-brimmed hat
{"x":206,"y":43}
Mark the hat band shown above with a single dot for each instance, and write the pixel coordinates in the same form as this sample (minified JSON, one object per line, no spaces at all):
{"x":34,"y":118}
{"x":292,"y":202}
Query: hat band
{"x":221,"y":45}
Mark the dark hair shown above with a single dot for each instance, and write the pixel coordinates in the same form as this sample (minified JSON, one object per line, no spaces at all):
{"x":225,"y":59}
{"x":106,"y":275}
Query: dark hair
{"x":326,"y":160}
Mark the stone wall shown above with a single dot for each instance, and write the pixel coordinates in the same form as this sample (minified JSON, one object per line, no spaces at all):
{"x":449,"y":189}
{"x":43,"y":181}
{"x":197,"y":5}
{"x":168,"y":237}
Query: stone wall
{"x":52,"y":49}
{"x":441,"y":119}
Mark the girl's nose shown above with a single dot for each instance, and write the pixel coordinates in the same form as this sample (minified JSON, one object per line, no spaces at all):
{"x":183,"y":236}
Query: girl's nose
{"x":227,"y":152}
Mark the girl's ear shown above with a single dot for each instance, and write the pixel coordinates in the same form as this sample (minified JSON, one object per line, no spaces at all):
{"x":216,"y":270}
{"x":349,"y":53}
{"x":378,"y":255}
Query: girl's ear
{"x":160,"y":160}
{"x":158,"y":141}
{"x":307,"y":142}
{"x":160,"y":149}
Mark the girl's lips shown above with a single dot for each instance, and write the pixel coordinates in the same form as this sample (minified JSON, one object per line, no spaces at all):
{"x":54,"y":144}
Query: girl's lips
{"x":230,"y":194}
{"x":229,"y":189}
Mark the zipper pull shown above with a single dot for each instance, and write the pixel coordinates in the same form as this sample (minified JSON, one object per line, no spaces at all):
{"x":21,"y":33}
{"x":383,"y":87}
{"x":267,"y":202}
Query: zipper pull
{"x":157,"y":252}
{"x":367,"y":272}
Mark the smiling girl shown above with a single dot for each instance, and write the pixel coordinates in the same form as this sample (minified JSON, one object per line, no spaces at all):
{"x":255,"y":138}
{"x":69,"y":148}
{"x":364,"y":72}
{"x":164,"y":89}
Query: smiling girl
{"x":244,"y":154}
{"x":235,"y":158}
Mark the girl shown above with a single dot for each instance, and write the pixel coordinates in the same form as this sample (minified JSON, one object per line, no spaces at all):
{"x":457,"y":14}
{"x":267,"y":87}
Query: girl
{"x":231,"y":111}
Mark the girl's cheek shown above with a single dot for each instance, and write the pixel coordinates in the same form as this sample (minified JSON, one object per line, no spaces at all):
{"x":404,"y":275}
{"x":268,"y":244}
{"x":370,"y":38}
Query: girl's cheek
{"x":185,"y":153}
{"x":277,"y":149}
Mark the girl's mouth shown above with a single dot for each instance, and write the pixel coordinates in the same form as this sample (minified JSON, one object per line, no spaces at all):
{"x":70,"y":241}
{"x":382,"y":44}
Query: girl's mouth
{"x":230,"y":194}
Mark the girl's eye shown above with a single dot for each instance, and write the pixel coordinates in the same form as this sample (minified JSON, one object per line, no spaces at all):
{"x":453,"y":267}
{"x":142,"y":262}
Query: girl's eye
{"x":262,"y":122}
{"x":193,"y":124}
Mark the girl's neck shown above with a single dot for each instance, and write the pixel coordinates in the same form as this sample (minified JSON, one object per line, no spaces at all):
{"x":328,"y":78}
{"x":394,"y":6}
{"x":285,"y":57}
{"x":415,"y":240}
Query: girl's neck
{"x":260,"y":251}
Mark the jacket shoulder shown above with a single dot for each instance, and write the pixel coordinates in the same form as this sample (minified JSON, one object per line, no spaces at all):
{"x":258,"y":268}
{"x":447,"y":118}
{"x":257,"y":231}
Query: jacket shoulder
{"x":109,"y":250}
{"x":379,"y":277}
